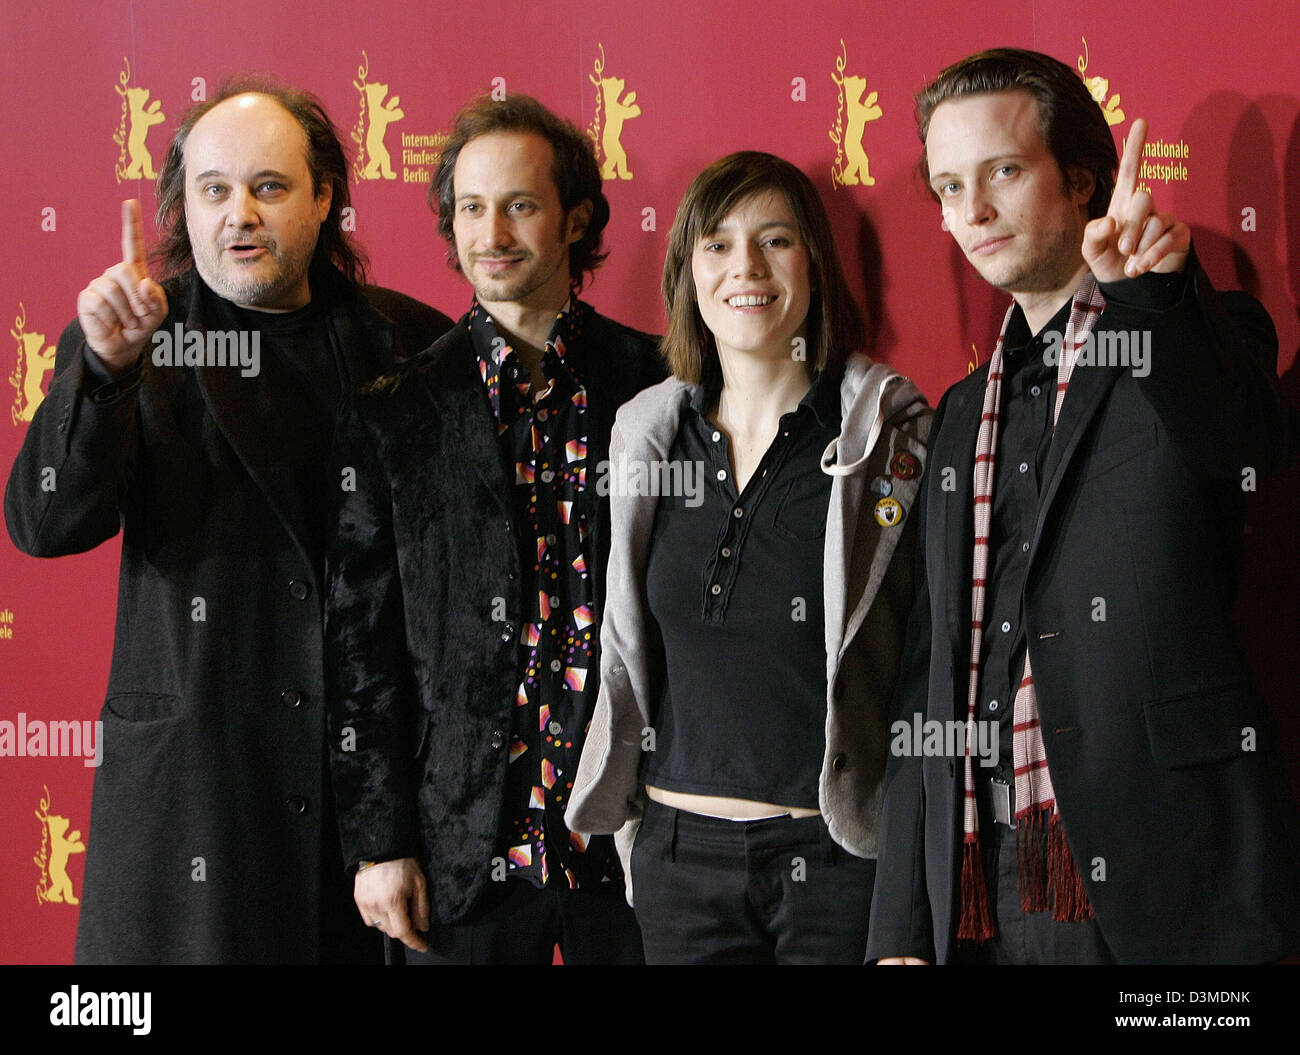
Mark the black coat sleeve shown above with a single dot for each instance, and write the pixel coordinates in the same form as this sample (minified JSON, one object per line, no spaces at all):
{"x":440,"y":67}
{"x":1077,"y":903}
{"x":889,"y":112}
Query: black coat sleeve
{"x":66,"y":485}
{"x":1212,"y":379}
{"x":901,"y":923}
{"x":369,"y":687}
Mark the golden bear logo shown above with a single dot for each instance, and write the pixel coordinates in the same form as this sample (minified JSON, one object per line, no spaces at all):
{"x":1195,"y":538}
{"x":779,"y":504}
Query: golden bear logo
{"x":57,"y":845}
{"x":138,"y":116}
{"x":852,"y":166}
{"x":613,"y":109}
{"x":377,"y":113}
{"x":35,"y":360}
{"x":1098,"y":87}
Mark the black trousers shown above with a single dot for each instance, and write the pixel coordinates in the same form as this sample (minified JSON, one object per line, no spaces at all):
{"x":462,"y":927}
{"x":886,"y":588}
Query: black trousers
{"x":770,"y":891}
{"x":517,"y":923}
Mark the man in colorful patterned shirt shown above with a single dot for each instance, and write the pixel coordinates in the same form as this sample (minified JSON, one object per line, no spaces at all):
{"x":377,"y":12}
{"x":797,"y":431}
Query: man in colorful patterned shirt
{"x":492,"y":441}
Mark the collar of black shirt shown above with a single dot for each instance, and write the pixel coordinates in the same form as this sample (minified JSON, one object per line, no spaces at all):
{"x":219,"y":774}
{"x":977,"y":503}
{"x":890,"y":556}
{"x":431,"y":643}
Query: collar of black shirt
{"x":822,"y":398}
{"x":1019,"y":342}
{"x":564,"y":339}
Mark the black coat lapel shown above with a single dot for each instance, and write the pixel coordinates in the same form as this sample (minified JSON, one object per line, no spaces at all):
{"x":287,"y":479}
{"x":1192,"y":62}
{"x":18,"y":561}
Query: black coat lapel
{"x":459,"y":399}
{"x":959,"y":431}
{"x":253,"y":424}
{"x":1089,"y":387}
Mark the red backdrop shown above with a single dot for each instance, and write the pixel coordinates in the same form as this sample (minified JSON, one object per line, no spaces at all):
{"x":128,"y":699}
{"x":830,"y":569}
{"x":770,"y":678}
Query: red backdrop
{"x":95,"y":91}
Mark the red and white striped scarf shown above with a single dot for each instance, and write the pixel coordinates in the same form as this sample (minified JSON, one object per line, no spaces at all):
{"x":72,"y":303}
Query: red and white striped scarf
{"x":1035,"y":799}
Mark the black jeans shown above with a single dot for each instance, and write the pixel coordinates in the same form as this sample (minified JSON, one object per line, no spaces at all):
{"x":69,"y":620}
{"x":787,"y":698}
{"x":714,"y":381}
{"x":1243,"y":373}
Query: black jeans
{"x":770,"y":891}
{"x":517,"y":923}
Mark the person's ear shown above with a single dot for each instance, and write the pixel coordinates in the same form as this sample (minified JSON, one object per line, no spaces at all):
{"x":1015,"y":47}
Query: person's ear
{"x":323,"y":201}
{"x":1081,"y":182}
{"x":577,"y":222}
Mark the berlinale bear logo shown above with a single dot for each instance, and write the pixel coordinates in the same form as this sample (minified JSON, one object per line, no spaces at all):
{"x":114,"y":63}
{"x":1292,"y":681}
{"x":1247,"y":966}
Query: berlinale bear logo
{"x":377,"y":113}
{"x":852,"y":166}
{"x":35,"y":361}
{"x":138,"y":116}
{"x":613,"y":109}
{"x":57,"y":845}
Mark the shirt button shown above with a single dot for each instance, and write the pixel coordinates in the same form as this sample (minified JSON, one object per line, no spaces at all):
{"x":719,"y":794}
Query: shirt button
{"x":993,"y":705}
{"x":543,"y":414}
{"x":717,"y":436}
{"x":298,"y":589}
{"x":291,"y":699}
{"x":715,"y":589}
{"x":296,"y":804}
{"x":547,"y":476}
{"x":1006,"y":626}
{"x":556,"y":665}
{"x":838,"y":763}
{"x":555,"y":601}
{"x":498,"y":740}
{"x":1024,"y":547}
{"x":722,"y":474}
{"x":1024,"y":467}
{"x":550,"y":540}
{"x":555,"y":728}
{"x":737,"y":512}
{"x":726,"y":551}
{"x":1035,"y":391}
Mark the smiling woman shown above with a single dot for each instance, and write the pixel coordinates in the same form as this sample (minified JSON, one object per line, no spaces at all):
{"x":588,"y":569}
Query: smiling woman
{"x":737,"y":651}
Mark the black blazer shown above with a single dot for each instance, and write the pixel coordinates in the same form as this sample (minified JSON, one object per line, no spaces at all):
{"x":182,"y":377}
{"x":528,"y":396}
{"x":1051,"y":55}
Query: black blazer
{"x":1145,"y":714}
{"x":423,"y":608}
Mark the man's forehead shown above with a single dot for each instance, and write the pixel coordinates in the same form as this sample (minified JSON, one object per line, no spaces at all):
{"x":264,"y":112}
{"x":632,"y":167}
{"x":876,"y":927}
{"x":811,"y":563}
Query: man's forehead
{"x":251,"y":129}
{"x":989,"y":121}
{"x":505,"y":161}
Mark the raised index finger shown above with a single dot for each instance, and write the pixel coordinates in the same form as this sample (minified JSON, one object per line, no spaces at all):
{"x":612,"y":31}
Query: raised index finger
{"x":1127,"y":180}
{"x":132,"y":233}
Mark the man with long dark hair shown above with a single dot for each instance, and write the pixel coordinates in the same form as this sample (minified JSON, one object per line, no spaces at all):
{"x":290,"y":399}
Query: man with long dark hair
{"x":195,"y":415}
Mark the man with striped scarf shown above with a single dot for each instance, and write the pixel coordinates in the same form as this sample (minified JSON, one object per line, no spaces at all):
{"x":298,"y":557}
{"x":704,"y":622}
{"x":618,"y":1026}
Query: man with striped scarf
{"x":1082,"y":533}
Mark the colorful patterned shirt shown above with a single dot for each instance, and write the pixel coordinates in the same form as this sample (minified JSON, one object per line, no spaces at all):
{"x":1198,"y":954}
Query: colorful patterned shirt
{"x":544,"y":447}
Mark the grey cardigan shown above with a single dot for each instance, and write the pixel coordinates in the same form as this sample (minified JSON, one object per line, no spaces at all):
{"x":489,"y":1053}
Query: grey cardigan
{"x":868,"y":593}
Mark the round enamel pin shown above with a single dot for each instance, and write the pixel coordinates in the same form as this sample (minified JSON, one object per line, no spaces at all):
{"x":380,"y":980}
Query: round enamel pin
{"x":888,"y":512}
{"x":904,"y":465}
{"x":881,"y":486}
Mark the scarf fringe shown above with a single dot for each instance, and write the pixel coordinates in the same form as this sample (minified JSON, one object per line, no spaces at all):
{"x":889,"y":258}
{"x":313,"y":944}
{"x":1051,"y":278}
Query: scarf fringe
{"x":1031,"y":863}
{"x":975,"y":923}
{"x":1071,"y":902}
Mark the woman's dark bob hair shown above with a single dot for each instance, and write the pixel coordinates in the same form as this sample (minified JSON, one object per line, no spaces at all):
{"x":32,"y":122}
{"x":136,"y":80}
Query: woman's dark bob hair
{"x":834,"y":327}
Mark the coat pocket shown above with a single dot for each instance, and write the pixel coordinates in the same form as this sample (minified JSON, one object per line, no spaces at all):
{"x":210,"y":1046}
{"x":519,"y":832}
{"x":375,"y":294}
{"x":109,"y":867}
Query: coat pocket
{"x":1197,"y":730}
{"x":142,"y":706}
